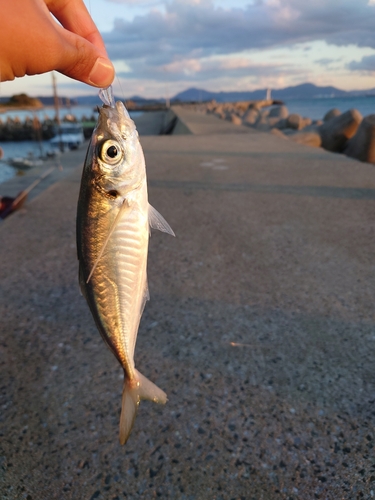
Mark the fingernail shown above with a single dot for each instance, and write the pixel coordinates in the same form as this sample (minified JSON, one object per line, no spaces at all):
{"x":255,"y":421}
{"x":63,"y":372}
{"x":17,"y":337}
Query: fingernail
{"x":102,"y":73}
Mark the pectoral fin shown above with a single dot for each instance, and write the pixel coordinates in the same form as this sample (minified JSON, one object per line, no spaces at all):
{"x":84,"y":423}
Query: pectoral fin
{"x":157,"y":221}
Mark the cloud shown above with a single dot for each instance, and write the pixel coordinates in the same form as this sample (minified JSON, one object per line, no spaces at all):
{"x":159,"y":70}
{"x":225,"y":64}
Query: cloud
{"x":137,"y":3}
{"x":177,"y":37}
{"x":366,"y":64}
{"x":199,"y":70}
{"x":188,"y":26}
{"x":327,"y":61}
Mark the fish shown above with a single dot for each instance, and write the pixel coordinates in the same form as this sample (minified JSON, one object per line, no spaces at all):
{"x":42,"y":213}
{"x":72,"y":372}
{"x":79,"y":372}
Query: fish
{"x":113,"y":229}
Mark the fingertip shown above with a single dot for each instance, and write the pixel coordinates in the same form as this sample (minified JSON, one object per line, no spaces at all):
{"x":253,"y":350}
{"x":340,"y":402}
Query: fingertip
{"x":102,"y":73}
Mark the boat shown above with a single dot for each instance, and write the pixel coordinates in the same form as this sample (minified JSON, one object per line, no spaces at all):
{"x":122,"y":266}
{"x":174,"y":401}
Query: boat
{"x":25,"y":162}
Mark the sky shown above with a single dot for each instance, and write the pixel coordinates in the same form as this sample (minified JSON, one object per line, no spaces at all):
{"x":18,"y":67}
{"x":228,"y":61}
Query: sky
{"x":160,"y":48}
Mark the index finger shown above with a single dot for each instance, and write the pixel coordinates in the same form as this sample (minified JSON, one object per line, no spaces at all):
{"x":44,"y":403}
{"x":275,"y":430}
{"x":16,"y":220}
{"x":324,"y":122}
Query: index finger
{"x":74,"y":16}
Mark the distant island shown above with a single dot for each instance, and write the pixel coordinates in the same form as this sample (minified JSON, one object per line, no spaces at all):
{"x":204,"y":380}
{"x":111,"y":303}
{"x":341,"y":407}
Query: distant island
{"x":302,"y":91}
{"x":22,"y":101}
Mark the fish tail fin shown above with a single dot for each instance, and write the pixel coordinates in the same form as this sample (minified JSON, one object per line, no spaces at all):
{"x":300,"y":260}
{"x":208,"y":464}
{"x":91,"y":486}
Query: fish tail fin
{"x":129,"y":408}
{"x":132,"y":393}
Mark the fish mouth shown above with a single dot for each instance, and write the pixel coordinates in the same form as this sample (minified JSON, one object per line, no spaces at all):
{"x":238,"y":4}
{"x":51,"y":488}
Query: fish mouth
{"x":115,"y":120}
{"x":107,"y":97}
{"x":118,"y":111}
{"x":108,"y":113}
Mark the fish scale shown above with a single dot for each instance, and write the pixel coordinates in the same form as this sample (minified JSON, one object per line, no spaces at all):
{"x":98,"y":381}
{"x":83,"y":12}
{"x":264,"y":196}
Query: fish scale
{"x":113,"y":219}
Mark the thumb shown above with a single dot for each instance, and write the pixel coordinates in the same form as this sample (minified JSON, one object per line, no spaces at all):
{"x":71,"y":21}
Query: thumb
{"x":83,"y":61}
{"x":102,"y":73}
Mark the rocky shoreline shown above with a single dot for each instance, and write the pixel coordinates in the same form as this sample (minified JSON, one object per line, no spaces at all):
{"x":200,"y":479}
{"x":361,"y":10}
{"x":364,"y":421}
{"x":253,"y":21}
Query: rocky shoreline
{"x":348,"y":133}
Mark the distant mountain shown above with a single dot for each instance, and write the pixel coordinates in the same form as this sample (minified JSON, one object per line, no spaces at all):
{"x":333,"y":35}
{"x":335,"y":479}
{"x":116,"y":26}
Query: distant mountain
{"x":303,"y":91}
{"x":50,"y":101}
{"x":308,"y":91}
{"x":194,"y":94}
{"x":82,"y":100}
{"x":94,"y":100}
{"x":144,"y":100}
{"x":88,"y":100}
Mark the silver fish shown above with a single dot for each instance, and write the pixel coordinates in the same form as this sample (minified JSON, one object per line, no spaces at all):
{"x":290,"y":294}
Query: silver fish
{"x":113,"y":227}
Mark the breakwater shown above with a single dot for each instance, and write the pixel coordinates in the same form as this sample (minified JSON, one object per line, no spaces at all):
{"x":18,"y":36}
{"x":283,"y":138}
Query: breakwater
{"x":340,"y":132}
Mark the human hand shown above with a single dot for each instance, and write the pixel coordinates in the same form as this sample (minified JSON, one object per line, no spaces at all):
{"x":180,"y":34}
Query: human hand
{"x":32,"y":42}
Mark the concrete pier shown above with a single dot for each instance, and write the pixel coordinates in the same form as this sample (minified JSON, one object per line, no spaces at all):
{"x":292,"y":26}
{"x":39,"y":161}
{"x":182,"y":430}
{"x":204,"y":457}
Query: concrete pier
{"x":260,"y":328}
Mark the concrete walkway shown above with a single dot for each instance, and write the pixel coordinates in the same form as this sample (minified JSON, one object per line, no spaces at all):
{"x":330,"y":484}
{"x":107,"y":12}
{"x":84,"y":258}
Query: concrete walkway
{"x":260,"y":328}
{"x":190,"y":122}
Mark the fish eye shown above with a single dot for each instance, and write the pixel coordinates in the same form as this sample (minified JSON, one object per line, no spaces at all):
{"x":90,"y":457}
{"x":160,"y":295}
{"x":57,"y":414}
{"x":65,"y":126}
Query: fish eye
{"x":110,"y":152}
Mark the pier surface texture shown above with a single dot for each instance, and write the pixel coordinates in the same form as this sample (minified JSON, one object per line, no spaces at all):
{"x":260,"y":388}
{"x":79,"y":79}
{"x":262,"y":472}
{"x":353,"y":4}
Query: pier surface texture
{"x":260,"y":329}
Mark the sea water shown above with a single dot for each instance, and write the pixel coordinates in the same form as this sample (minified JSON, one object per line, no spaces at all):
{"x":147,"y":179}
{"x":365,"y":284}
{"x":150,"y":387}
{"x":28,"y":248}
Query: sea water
{"x":49,"y":112}
{"x":16,"y":149}
{"x":13,"y":149}
{"x":317,"y":108}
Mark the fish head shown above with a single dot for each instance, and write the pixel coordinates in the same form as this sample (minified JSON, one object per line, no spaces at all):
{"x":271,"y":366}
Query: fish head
{"x":115,"y":155}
